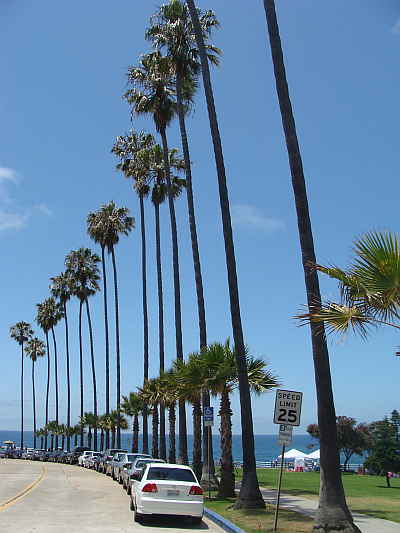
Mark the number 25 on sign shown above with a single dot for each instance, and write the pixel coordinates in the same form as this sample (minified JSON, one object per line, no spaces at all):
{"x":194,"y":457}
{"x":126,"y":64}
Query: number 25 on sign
{"x":288,"y":407}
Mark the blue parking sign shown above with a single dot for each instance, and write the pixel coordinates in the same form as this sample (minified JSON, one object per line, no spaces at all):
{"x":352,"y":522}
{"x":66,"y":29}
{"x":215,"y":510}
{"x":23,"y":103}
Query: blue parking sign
{"x":208,"y":413}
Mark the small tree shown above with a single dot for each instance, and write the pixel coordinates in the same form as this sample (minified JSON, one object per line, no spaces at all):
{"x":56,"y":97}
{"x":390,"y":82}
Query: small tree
{"x":351,"y":439}
{"x":385,"y":456}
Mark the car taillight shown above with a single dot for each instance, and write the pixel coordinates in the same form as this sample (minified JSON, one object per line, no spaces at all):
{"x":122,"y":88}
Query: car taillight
{"x":150,"y":487}
{"x":195,"y":491}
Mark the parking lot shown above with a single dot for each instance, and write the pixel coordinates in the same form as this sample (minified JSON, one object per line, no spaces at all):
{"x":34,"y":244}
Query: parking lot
{"x":48,"y":497}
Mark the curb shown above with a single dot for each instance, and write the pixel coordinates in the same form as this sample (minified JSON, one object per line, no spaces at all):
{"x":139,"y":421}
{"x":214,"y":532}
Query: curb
{"x":222,"y":522}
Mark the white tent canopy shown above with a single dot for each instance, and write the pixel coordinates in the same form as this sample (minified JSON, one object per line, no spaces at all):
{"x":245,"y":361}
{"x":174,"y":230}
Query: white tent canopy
{"x":293,"y":454}
{"x":313,"y":455}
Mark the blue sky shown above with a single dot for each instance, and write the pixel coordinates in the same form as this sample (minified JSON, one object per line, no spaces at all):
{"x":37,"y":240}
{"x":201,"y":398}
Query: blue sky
{"x":63,"y":75}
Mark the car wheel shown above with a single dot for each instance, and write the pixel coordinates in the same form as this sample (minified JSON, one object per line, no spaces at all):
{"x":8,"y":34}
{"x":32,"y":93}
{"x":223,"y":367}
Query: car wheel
{"x":128,"y":490}
{"x":196,"y":520}
{"x":132,"y":506}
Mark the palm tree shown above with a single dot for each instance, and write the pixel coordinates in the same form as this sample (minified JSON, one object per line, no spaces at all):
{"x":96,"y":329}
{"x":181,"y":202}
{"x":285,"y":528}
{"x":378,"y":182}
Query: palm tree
{"x":333,"y":513}
{"x":132,"y":150}
{"x":153,"y":93}
{"x":35,"y":348}
{"x":102,"y":424}
{"x":174,"y":31}
{"x":50,"y":313}
{"x":188,"y":384}
{"x":52,"y":428}
{"x":42,"y":322}
{"x":250,"y":495}
{"x":369,"y":289}
{"x":90,"y":420}
{"x":132,"y":406}
{"x":60,"y":289}
{"x":217,"y":363}
{"x":104,"y":227}
{"x":151,"y":392}
{"x":111,"y":421}
{"x":81,"y":267}
{"x":62,"y":430}
{"x":21,"y":332}
{"x":40,"y":433}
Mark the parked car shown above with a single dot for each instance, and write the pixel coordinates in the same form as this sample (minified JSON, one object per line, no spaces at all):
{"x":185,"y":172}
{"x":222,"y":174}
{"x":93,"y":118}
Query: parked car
{"x":26,"y":454}
{"x":132,"y":470}
{"x":106,"y":458}
{"x":110,"y":465}
{"x":89,"y":460}
{"x":83,"y":456}
{"x":36,"y":454}
{"x":73,"y":456}
{"x":62,"y":457}
{"x":53,"y":457}
{"x":167,"y":490}
{"x":10,"y":453}
{"x":125,"y":459}
{"x":44,"y":456}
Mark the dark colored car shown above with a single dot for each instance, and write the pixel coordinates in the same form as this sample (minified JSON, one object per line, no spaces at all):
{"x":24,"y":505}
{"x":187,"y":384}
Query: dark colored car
{"x":36,"y":455}
{"x":44,"y":456}
{"x":62,"y":457}
{"x":53,"y":457}
{"x":73,"y":455}
{"x":106,"y":458}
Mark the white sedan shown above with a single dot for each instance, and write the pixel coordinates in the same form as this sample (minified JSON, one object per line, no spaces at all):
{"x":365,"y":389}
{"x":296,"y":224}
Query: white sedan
{"x":167,"y":490}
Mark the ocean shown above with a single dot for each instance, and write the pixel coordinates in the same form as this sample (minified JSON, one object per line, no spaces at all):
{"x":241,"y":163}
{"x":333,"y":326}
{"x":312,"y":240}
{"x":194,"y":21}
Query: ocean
{"x":266,"y":446}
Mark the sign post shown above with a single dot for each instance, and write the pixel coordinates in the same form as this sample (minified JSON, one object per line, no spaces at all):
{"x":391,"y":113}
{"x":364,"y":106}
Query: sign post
{"x":208,"y":414}
{"x":287,"y":414}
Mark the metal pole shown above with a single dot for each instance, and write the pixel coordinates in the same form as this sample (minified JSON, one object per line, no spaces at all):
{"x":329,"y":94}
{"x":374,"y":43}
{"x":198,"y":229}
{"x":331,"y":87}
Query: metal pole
{"x":209,"y":466}
{"x":279,"y":489}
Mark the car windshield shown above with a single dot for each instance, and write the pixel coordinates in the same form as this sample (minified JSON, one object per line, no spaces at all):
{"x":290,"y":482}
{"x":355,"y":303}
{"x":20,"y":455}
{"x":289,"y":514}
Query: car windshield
{"x":171,"y":474}
{"x":130,"y":457}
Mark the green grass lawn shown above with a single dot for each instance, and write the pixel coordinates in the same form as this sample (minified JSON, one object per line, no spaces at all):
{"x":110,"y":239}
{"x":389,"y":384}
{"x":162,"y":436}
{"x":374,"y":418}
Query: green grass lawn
{"x":364,"y":494}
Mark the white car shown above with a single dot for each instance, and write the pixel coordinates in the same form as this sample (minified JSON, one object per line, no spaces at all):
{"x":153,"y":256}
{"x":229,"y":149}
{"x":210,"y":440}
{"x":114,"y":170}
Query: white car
{"x":88,"y":461}
{"x":167,"y":490}
{"x":82,"y":457}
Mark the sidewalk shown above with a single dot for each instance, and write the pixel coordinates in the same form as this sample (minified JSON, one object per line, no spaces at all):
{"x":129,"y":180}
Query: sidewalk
{"x":367,"y":524}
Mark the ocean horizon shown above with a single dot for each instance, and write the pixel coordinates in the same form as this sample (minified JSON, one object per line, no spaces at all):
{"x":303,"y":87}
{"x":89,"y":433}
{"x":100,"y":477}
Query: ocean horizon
{"x":266,"y":446}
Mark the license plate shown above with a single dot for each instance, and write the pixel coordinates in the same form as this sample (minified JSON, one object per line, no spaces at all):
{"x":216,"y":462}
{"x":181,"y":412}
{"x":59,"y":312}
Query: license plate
{"x":173,"y":493}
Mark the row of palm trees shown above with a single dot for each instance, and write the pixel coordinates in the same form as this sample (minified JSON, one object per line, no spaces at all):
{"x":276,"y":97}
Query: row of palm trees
{"x":160,"y":87}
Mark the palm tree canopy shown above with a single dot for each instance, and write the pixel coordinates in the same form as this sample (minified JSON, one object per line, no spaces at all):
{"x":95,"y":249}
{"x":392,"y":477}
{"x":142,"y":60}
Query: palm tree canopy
{"x":369,"y":288}
{"x":21,"y":332}
{"x":35,"y":348}
{"x":132,"y":404}
{"x":81,"y":267}
{"x":173,"y":30}
{"x":49,"y":313}
{"x":60,"y":287}
{"x":106,"y":225}
{"x":133,"y":151}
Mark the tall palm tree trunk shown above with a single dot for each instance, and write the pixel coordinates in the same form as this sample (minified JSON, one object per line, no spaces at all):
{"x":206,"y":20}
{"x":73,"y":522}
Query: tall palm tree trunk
{"x":47,"y":389}
{"x":172,"y":444}
{"x":93,"y":372}
{"x":154,"y":447}
{"x":160,"y":308}
{"x":250,"y":495}
{"x":182,"y":444}
{"x":103,"y":262}
{"x":333,"y":513}
{"x":145,"y":325}
{"x":227,"y":483}
{"x":34,"y":404}
{"x":81,"y":364}
{"x":197,"y":464}
{"x":68,"y":374}
{"x":198,"y":277}
{"x":22,"y":395}
{"x":117,"y":350}
{"x":55,"y":378}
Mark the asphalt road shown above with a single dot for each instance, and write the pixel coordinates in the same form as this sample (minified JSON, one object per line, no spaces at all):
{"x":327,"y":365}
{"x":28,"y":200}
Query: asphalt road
{"x":48,"y":497}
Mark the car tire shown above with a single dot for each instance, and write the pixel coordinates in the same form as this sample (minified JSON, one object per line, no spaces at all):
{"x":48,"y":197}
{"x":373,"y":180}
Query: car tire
{"x":128,"y":490}
{"x":132,"y":507}
{"x":137,"y":517}
{"x":196,"y":520}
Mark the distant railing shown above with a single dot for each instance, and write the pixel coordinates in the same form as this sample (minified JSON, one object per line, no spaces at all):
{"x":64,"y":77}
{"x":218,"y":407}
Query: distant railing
{"x":288,"y":464}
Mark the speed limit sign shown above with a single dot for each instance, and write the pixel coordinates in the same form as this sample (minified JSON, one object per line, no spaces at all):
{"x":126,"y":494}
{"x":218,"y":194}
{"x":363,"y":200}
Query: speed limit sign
{"x":288,"y":407}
